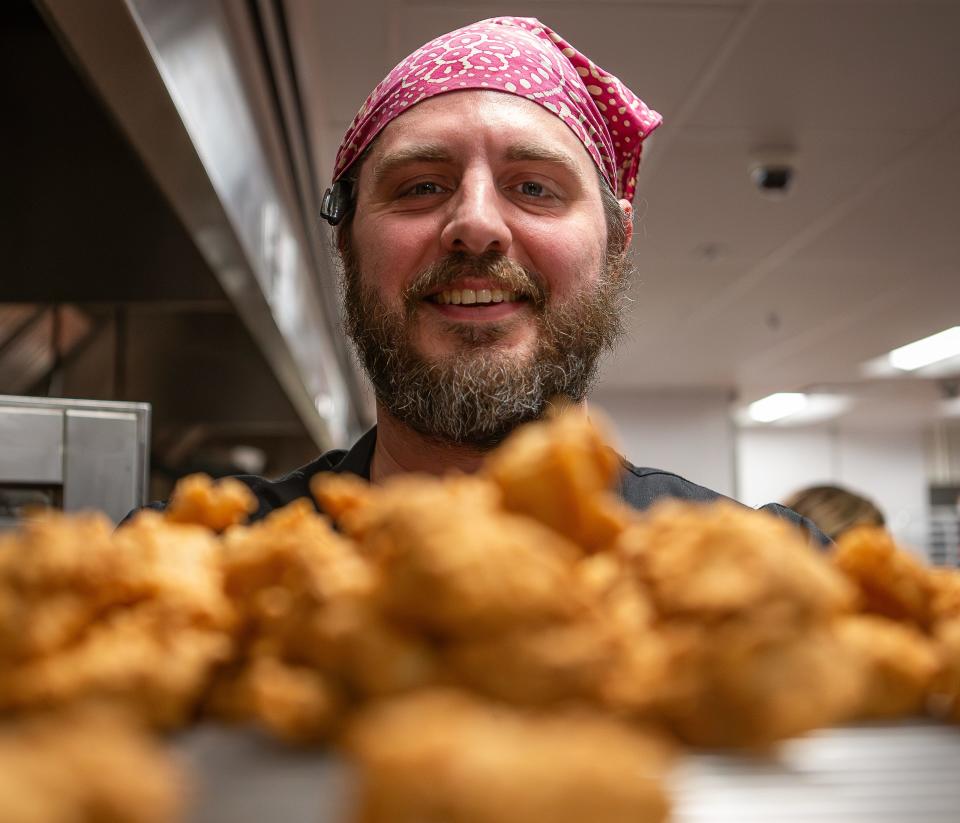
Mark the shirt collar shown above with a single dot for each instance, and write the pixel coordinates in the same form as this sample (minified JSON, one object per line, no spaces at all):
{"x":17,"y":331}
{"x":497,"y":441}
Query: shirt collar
{"x":360,"y":456}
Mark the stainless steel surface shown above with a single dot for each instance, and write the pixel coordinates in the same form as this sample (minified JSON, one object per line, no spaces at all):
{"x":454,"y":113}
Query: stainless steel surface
{"x":172,"y":74}
{"x":97,"y":451}
{"x":31,"y":445}
{"x":241,"y":777}
{"x":884,"y":773}
{"x":102,"y":458}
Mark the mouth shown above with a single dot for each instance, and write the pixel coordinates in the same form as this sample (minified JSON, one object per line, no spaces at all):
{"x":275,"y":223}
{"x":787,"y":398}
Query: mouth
{"x":476,"y":305}
{"x":478,"y":298}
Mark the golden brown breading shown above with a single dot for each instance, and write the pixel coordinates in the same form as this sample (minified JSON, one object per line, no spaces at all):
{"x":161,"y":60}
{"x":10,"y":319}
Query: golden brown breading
{"x":449,"y":758}
{"x":373,"y":656}
{"x":736,"y":684}
{"x":560,"y":472}
{"x":71,"y":567}
{"x":744,"y":606}
{"x":178,"y":566}
{"x":296,"y":704}
{"x":359,"y":507}
{"x":946,"y":593}
{"x":891,"y":582}
{"x":214,"y":504}
{"x":339,"y":494}
{"x":279,"y":572}
{"x":901,"y":665}
{"x":293,"y":549}
{"x":587,"y":660}
{"x":87,"y":766}
{"x":452,"y":570}
{"x":136,"y":658}
{"x":711,"y":562}
{"x":946,"y":689}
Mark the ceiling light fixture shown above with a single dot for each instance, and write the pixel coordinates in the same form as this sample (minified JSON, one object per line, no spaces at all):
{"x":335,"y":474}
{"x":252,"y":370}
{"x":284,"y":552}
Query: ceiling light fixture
{"x":932,"y":349}
{"x":777,"y":406}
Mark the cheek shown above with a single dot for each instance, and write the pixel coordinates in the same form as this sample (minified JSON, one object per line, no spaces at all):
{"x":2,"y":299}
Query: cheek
{"x":390,"y":256}
{"x":569,"y":267}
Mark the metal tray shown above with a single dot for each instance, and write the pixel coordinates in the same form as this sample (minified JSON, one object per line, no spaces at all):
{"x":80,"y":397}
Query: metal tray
{"x":879,"y":773}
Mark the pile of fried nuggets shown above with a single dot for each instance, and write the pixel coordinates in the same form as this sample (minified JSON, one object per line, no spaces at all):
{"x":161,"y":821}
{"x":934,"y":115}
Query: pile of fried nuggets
{"x":512,"y":646}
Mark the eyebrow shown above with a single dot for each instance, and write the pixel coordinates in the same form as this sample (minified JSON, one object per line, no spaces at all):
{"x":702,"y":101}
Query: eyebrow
{"x":538,"y":153}
{"x":412,"y":154}
{"x":427,"y":153}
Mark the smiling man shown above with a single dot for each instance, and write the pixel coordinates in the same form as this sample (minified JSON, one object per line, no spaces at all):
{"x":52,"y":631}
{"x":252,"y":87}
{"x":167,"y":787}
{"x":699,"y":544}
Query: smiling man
{"x":482,"y":204}
{"x":483,"y":247}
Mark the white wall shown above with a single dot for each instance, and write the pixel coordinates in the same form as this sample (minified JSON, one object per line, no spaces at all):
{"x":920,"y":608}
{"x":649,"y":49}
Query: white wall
{"x":686,"y":432}
{"x":887,"y":466}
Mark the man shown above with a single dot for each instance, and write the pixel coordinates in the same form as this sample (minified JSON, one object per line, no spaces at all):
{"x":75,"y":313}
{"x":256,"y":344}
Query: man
{"x":482,"y":199}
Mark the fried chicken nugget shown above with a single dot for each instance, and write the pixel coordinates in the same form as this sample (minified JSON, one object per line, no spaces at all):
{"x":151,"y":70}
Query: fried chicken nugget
{"x":901,"y":665}
{"x":456,"y":569}
{"x":740,"y":684}
{"x":291,"y":557}
{"x":178,"y":566}
{"x":340,"y":494}
{"x":134,"y":658}
{"x":586,"y":660}
{"x":891,"y":582}
{"x":946,"y":593}
{"x":305,"y":594}
{"x":68,"y":571}
{"x":946,"y":689}
{"x":296,"y":704}
{"x":215,"y":504}
{"x":86,"y":766}
{"x":373,"y":656}
{"x":745,"y":608}
{"x":561,"y":472}
{"x":57,"y":573}
{"x":358,"y":507}
{"x":448,"y":758}
{"x":710,"y":562}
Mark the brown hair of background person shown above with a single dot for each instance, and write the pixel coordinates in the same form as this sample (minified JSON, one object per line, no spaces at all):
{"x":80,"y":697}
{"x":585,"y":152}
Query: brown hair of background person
{"x":835,"y":509}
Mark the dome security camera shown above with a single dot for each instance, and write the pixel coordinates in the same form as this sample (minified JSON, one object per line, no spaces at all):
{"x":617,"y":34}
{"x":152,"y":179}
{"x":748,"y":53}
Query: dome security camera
{"x":772,"y":171}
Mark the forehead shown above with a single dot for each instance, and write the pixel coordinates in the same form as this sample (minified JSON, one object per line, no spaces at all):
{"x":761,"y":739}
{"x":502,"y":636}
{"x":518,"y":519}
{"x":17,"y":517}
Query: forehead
{"x":481,"y":120}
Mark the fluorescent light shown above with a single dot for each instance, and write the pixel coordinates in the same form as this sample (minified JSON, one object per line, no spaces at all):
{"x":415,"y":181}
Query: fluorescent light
{"x":775,"y":406}
{"x":931,"y":349}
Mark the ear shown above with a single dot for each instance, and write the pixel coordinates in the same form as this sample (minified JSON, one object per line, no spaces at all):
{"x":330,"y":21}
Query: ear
{"x":627,"y":207}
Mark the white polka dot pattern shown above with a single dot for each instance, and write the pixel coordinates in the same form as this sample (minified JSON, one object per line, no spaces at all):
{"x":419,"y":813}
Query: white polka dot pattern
{"x":516,"y":55}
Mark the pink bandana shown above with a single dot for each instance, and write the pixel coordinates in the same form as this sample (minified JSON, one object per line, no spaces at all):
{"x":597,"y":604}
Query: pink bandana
{"x":521,"y":56}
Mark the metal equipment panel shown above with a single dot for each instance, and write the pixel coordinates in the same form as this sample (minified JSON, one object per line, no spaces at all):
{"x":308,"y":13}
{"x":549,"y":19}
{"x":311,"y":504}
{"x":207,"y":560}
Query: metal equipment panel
{"x":31,"y":444}
{"x":102,"y":466}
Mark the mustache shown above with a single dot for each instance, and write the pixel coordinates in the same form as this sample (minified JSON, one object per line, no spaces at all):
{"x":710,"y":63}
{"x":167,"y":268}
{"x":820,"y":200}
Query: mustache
{"x":500,"y":270}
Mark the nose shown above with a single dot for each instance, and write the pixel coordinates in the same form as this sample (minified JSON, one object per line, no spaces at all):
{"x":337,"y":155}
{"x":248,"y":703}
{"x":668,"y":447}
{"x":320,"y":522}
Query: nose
{"x":476,"y":223}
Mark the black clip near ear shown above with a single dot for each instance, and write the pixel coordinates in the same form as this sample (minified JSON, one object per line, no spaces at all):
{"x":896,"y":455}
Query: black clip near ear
{"x":336,"y":203}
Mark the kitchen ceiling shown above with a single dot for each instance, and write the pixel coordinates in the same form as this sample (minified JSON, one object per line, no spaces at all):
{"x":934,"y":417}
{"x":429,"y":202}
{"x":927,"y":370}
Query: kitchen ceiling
{"x":735,"y":290}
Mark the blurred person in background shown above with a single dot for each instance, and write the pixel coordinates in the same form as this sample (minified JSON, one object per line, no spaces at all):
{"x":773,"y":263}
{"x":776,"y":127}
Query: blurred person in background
{"x":482,"y":204}
{"x":835,"y":509}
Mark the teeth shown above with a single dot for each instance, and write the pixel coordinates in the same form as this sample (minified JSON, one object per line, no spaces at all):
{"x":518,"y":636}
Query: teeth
{"x":470,"y":297}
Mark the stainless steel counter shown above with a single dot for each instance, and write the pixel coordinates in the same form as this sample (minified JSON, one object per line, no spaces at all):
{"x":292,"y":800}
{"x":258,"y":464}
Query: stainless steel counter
{"x":884,"y":773}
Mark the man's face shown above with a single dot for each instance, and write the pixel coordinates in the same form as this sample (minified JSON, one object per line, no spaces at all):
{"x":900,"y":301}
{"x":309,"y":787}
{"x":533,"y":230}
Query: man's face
{"x":478,"y":282}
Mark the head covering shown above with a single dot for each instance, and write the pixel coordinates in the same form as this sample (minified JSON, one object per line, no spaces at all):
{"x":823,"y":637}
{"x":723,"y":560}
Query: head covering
{"x":521,"y":56}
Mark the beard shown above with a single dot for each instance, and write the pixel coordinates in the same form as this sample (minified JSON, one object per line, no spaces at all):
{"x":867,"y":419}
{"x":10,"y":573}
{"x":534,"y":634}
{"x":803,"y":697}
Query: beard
{"x":477,"y":395}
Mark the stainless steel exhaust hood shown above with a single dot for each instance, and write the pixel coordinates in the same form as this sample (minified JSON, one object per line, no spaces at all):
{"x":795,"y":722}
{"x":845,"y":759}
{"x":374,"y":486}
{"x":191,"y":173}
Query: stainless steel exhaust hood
{"x":186,"y":84}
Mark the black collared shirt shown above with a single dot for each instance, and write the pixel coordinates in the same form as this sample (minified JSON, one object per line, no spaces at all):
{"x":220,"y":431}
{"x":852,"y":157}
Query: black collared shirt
{"x":638,"y":486}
